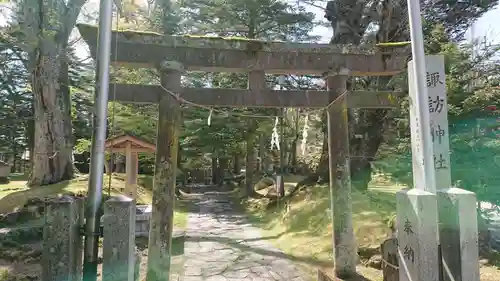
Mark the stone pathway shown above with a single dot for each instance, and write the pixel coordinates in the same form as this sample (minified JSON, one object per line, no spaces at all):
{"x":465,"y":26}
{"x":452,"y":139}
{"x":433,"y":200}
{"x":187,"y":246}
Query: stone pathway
{"x":221,"y":246}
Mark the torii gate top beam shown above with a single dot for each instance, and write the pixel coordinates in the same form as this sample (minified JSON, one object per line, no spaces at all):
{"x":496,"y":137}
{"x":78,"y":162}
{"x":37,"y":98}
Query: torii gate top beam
{"x":216,"y":54}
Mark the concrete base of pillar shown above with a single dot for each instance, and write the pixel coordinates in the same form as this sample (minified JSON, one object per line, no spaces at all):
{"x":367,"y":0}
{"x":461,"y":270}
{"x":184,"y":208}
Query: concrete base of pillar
{"x":458,"y":233}
{"x":119,"y":239}
{"x":417,"y":226}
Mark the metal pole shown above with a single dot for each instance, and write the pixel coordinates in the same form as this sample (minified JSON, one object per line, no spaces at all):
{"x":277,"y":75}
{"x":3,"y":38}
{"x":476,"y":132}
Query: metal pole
{"x":92,"y":215}
{"x":422,"y":102}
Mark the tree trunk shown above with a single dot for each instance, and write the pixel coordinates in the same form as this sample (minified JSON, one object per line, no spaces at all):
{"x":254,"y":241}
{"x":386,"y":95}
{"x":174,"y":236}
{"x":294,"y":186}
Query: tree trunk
{"x":262,"y":152}
{"x":295,"y":141}
{"x":223,"y":167}
{"x":119,"y":165}
{"x":30,"y":135}
{"x":250,"y":165}
{"x":321,"y":173}
{"x":214,"y":168}
{"x":14,"y":153}
{"x":366,"y":137}
{"x":107,"y":168}
{"x":47,"y":26}
{"x":52,"y":147}
{"x":237,"y":164}
{"x":282,"y":143}
{"x":365,"y":142}
{"x":179,"y":157}
{"x":370,"y":124}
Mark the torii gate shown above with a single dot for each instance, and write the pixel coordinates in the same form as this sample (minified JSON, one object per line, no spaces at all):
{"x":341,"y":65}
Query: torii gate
{"x":172,"y":55}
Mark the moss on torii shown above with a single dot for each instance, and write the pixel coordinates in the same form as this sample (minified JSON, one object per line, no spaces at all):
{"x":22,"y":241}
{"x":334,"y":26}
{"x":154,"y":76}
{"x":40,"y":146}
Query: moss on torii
{"x":231,"y":38}
{"x":89,"y":32}
{"x":131,"y":32}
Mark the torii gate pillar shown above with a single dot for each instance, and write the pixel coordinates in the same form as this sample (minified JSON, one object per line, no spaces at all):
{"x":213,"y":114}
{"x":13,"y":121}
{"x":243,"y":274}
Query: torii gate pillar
{"x":344,"y":242}
{"x":167,"y":144}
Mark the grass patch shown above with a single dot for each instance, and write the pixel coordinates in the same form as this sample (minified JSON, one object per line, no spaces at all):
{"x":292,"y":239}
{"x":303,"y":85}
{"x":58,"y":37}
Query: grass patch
{"x":15,"y":194}
{"x":302,"y":225}
{"x":16,"y":261}
{"x":308,"y":214}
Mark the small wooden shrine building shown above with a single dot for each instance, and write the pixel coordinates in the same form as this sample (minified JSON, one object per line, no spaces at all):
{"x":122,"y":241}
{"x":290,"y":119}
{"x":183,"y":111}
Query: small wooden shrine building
{"x":130,"y":146}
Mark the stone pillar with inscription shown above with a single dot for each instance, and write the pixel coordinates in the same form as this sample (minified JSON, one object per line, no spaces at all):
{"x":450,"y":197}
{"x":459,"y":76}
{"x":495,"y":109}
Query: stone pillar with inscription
{"x":457,"y":207}
{"x":457,"y":221}
{"x":417,"y":215}
{"x":438,"y":111}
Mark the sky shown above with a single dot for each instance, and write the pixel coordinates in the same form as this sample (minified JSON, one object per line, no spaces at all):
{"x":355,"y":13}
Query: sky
{"x":486,"y":27}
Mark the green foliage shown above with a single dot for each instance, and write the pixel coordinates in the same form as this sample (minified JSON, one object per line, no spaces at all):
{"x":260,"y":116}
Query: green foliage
{"x":475,"y":157}
{"x":260,"y":19}
{"x":166,"y":17}
{"x":473,"y":122}
{"x":455,"y":15}
{"x":475,"y":161}
{"x":82,"y":145}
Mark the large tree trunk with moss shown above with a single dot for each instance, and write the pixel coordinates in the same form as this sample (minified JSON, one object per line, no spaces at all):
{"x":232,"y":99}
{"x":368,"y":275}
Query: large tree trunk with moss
{"x":47,"y":26}
{"x":236,"y":164}
{"x":214,"y":167}
{"x":367,"y":126}
{"x":365,"y":142}
{"x":251,"y":139}
{"x":262,"y":153}
{"x":293,"y":152}
{"x":250,"y":164}
{"x":52,"y":159}
{"x":223,"y":168}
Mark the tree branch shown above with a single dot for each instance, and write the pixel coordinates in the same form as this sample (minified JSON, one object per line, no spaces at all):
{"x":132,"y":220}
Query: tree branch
{"x":69,"y":17}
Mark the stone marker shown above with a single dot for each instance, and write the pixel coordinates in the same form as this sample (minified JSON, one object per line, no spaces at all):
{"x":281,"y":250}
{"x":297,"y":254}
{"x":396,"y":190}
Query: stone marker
{"x":417,"y":235}
{"x":458,"y":234}
{"x":457,"y":208}
{"x":80,"y":208}
{"x":60,"y":236}
{"x":438,"y":113}
{"x":438,"y":110}
{"x":390,"y":264}
{"x":119,"y":239}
